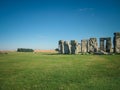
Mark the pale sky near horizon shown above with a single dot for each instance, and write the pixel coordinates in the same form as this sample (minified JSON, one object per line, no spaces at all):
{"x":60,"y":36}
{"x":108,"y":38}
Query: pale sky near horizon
{"x":40,"y":24}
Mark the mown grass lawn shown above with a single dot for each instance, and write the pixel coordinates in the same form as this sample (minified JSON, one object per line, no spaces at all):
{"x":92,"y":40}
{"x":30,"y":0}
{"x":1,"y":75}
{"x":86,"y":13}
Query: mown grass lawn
{"x":44,"y":71}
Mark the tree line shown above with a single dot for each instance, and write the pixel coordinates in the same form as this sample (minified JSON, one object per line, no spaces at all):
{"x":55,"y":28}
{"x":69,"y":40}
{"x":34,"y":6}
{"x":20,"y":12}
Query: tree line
{"x":24,"y":50}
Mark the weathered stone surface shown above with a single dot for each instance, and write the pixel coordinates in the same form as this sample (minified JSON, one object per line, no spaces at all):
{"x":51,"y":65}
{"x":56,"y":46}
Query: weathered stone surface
{"x":74,"y":47}
{"x":84,"y":46}
{"x":93,"y":45}
{"x":61,"y":46}
{"x":79,"y":47}
{"x":102,"y":44}
{"x":67,"y":47}
{"x":101,"y":52}
{"x":116,"y":42}
{"x":106,"y":47}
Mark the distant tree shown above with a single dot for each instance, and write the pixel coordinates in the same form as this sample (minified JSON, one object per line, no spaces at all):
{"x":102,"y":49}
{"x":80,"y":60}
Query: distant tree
{"x":57,"y":49}
{"x":24,"y":50}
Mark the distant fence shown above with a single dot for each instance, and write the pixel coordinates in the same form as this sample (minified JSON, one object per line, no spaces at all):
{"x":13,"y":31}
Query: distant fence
{"x":24,"y":50}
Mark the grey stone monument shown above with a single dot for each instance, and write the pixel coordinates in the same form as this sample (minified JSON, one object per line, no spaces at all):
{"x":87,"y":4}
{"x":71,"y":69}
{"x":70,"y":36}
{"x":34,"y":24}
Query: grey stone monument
{"x":106,"y":44}
{"x":84,"y":46}
{"x":102,"y":44}
{"x":93,"y":45}
{"x":109,"y":45}
{"x":74,"y":47}
{"x":67,"y":47}
{"x":79,"y":47}
{"x":116,"y":42}
{"x":61,"y":46}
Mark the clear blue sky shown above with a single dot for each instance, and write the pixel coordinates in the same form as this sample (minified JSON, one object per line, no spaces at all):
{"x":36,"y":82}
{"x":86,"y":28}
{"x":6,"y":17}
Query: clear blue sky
{"x":39,"y":24}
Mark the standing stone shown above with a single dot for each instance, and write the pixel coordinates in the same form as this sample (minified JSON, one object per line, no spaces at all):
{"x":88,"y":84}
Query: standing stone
{"x":93,"y":45}
{"x":106,"y":47}
{"x":116,"y":42}
{"x":79,"y":47}
{"x":66,"y":47}
{"x":84,"y":46}
{"x":74,"y":47}
{"x":108,"y":44}
{"x":61,"y":46}
{"x":102,"y":44}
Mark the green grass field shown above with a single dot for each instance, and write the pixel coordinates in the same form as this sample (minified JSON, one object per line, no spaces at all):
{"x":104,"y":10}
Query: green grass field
{"x":45,"y":71}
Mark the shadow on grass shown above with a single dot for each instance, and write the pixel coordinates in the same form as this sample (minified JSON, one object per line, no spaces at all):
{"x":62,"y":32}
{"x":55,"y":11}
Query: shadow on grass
{"x":77,"y":54}
{"x":52,"y":54}
{"x":58,"y":54}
